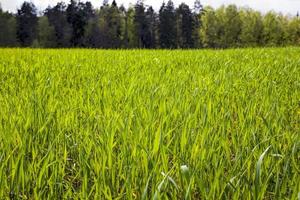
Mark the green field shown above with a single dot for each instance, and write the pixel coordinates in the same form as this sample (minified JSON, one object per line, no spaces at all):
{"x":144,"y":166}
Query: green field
{"x":96,"y":124}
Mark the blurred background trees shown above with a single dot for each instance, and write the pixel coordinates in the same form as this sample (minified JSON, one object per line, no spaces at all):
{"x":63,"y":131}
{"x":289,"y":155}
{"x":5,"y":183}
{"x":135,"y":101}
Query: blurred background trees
{"x":8,"y":31}
{"x":27,"y":22}
{"x":78,"y":24}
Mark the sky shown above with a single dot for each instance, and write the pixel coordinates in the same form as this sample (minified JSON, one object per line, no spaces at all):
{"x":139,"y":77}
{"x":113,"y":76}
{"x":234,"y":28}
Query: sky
{"x":283,"y":6}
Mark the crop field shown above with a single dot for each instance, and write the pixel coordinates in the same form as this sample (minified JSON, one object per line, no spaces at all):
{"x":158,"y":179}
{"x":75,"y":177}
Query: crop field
{"x":143,"y":124}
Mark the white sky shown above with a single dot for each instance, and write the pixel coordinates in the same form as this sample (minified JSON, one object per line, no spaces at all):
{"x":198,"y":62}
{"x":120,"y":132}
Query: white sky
{"x":284,"y":6}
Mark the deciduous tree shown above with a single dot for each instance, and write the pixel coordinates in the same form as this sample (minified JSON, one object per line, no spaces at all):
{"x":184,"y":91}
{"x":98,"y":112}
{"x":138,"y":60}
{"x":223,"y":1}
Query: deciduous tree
{"x":27,"y":21}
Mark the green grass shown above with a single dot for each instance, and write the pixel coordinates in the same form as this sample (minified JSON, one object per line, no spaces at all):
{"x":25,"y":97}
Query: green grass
{"x":87,"y":124}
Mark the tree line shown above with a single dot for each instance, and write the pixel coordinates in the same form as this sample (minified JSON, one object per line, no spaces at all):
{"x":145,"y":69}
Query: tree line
{"x":79,"y":24}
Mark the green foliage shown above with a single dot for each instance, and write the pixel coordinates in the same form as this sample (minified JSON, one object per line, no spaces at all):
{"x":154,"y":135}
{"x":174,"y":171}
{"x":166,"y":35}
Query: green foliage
{"x":110,"y":23}
{"x":167,"y":26}
{"x":57,"y":18}
{"x":87,"y":124}
{"x":7,"y":30}
{"x":46,"y":33}
{"x":132,"y":40}
{"x":78,"y":15}
{"x":113,"y":20}
{"x":251,"y":28}
{"x":210,"y":28}
{"x":78,"y":24}
{"x":186,"y":26}
{"x":293,"y":31}
{"x":273,"y":32}
{"x":232,"y":27}
{"x":226,"y":27}
{"x":27,"y":22}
